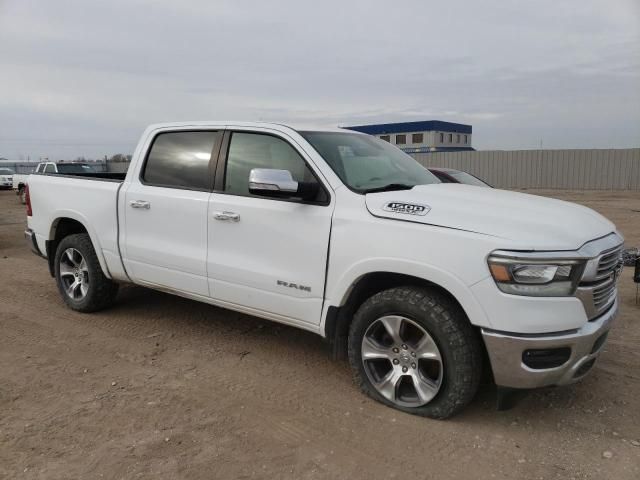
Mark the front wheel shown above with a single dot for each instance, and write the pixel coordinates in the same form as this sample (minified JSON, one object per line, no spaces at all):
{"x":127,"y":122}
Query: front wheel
{"x":80,"y":279}
{"x":414,"y":349}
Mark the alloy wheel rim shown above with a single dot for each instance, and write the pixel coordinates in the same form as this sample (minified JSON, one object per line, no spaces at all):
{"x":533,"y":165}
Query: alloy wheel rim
{"x":74,"y":274}
{"x":402,"y":361}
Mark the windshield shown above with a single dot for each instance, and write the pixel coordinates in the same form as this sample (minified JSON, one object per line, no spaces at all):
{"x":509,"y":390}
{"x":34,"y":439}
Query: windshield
{"x":75,"y":168}
{"x":366,"y":164}
{"x":6,"y":171}
{"x":468,"y":179}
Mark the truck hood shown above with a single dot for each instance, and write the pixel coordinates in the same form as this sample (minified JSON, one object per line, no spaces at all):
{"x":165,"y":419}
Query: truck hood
{"x":529,"y":222}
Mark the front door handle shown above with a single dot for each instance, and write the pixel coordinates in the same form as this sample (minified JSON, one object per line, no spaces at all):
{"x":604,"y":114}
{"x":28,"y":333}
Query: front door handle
{"x":140,"y":204}
{"x":227,"y":216}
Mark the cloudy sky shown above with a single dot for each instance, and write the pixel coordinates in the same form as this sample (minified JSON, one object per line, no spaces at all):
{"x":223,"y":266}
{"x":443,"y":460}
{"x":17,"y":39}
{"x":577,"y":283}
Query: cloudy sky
{"x":84,"y":77}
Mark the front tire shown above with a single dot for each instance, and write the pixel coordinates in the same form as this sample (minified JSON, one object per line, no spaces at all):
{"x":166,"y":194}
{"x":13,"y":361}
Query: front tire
{"x":414,"y":349}
{"x":79,"y":277}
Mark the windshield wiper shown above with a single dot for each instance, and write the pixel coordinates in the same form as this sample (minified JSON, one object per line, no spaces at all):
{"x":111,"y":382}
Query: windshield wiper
{"x":388,"y":188}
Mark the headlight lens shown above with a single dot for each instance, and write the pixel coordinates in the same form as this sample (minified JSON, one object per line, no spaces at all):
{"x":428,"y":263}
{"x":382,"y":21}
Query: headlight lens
{"x":536,"y":277}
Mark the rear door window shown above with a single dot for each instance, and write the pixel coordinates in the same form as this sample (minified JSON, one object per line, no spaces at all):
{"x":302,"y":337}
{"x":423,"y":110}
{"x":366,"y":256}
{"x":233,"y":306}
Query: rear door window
{"x":180,"y":160}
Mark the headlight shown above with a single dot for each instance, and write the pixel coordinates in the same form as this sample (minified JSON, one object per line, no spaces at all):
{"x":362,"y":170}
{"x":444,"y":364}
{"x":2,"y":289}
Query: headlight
{"x":534,"y":275}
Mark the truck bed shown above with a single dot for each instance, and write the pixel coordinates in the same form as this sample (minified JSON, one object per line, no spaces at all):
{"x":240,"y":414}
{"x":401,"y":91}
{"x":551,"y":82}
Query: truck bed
{"x":90,"y":199}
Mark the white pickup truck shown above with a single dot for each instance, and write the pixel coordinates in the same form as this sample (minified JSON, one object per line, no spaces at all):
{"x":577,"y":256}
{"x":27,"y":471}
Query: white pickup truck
{"x":417,"y":282}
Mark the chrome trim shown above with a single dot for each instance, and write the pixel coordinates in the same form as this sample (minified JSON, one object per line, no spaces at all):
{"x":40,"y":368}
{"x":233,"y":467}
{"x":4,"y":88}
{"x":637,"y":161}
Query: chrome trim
{"x":140,"y":204}
{"x":610,"y":257}
{"x":272,"y":180}
{"x":597,"y":288}
{"x":505,"y":353}
{"x":589,"y":250}
{"x":227,"y":216}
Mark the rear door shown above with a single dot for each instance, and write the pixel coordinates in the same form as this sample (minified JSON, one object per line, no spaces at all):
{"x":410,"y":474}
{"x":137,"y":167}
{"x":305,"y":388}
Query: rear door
{"x":165,"y":234}
{"x":267,"y":254}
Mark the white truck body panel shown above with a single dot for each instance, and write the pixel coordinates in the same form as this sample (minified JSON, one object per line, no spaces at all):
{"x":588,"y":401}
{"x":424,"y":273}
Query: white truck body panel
{"x":92,"y":203}
{"x":527,"y":222}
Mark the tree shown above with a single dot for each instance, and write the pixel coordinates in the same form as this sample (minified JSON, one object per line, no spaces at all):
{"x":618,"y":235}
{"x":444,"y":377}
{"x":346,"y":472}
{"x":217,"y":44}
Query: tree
{"x":118,"y":157}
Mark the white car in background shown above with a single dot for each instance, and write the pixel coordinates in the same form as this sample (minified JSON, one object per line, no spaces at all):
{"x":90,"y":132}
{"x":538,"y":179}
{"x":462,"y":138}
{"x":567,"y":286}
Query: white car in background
{"x":6,"y":177}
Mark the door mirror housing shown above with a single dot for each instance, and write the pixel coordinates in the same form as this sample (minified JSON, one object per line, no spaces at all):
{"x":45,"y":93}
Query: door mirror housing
{"x":271,"y":182}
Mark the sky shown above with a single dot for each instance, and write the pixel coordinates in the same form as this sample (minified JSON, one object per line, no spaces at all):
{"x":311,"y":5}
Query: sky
{"x":84,"y":78}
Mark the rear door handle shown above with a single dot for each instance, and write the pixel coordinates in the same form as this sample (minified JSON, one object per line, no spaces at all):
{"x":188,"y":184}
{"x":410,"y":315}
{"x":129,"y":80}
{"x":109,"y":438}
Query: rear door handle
{"x":140,"y":204}
{"x":227,"y":216}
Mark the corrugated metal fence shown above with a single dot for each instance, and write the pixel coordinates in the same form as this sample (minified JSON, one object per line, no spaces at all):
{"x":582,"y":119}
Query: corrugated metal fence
{"x":613,"y":169}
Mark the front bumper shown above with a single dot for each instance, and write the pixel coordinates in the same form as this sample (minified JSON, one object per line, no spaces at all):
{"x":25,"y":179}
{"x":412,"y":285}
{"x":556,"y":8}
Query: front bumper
{"x":507,"y":350}
{"x":30,"y":237}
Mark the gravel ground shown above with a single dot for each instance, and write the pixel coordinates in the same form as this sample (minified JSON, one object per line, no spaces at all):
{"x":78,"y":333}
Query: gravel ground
{"x":160,"y":386}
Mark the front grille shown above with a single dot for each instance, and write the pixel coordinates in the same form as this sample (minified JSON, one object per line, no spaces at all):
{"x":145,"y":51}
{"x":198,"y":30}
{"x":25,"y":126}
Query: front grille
{"x":603,"y":292}
{"x":597,"y":290}
{"x":608,"y":263}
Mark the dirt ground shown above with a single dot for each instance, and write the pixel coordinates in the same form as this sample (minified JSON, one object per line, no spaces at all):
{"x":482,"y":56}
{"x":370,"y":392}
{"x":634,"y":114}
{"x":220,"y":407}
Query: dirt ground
{"x":163,"y":387}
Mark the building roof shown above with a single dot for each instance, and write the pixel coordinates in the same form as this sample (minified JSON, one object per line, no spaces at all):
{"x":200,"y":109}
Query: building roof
{"x":406,"y":127}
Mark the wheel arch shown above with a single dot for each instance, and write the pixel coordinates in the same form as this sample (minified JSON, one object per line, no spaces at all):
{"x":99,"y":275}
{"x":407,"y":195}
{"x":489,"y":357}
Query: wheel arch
{"x":70,"y":224}
{"x":338,"y":317}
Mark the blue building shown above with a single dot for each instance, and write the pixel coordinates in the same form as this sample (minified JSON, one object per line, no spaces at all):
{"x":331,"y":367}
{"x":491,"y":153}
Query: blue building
{"x":422,"y":137}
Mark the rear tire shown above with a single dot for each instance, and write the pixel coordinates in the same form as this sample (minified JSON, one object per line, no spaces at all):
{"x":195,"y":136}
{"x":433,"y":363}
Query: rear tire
{"x":414,"y":349}
{"x":80,"y":279}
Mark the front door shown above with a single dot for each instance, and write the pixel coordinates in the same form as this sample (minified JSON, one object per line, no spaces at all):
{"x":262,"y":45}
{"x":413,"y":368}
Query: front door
{"x":165,"y":212}
{"x":267,"y":254}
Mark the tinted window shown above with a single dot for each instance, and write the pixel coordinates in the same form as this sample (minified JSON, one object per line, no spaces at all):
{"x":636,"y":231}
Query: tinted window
{"x":253,"y":150}
{"x":180,"y":159}
{"x":417,"y":138}
{"x":363,"y":162}
{"x":401,"y":139}
{"x":75,"y":168}
{"x":50,"y":168}
{"x":386,"y":138}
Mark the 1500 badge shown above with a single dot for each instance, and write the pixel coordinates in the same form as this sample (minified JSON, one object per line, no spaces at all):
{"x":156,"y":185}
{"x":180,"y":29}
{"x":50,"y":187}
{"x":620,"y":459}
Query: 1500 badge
{"x":406,"y":208}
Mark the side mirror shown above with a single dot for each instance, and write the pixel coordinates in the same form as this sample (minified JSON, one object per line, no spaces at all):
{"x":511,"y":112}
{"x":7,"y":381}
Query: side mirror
{"x":265,"y":181}
{"x":271,"y":182}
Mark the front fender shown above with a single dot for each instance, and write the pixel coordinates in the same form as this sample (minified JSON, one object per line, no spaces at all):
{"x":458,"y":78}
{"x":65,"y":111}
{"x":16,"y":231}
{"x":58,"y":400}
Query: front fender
{"x":338,"y":293}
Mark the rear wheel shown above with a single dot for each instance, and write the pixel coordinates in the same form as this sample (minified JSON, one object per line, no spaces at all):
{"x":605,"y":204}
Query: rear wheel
{"x":80,"y":279}
{"x":414,"y":349}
